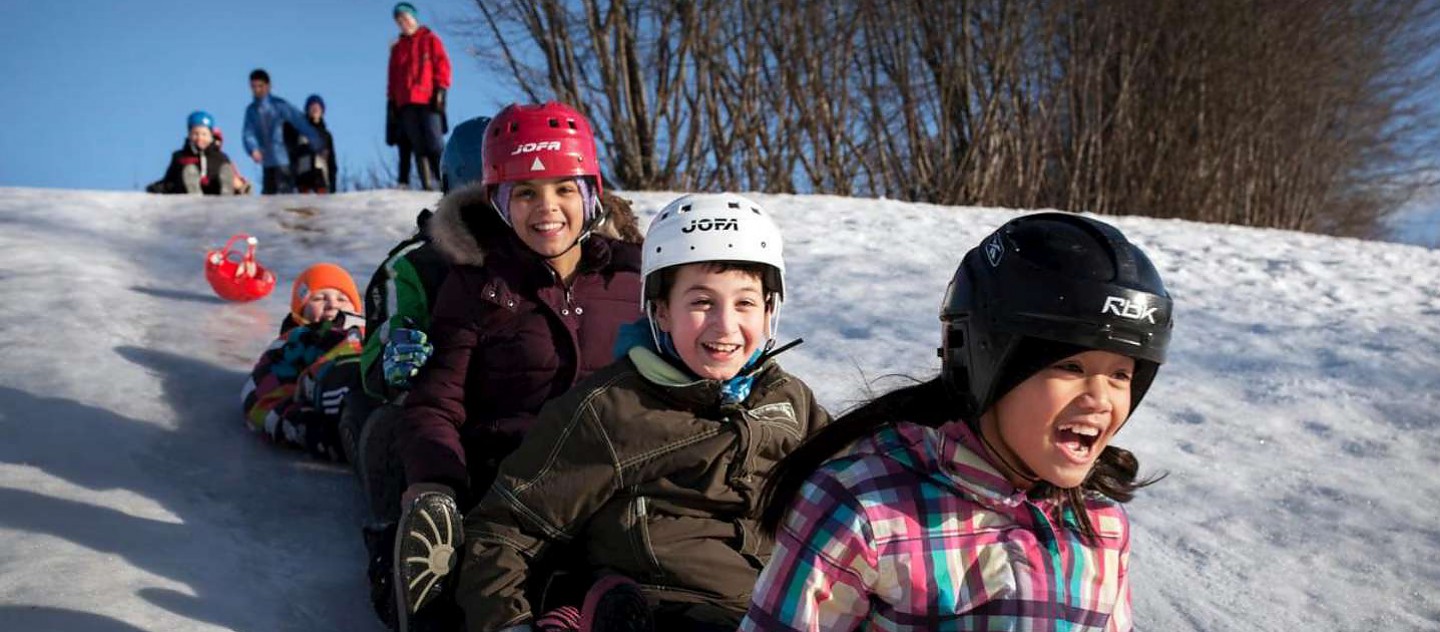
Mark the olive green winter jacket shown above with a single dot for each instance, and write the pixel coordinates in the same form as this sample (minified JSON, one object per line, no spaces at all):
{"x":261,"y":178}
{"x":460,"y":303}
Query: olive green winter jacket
{"x":644,"y":472}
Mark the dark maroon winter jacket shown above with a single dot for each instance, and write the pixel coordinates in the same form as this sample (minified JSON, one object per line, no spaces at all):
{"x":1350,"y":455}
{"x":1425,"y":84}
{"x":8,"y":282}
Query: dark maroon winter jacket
{"x":508,"y":337}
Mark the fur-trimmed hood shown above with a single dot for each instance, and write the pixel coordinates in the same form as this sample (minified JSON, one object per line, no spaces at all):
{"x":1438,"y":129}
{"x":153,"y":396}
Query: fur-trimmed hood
{"x":454,"y":236}
{"x":466,"y":226}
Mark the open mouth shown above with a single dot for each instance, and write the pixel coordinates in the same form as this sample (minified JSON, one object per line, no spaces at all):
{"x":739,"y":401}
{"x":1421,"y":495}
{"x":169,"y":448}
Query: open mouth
{"x":720,"y":349}
{"x":1077,"y":440}
{"x":547,"y":228}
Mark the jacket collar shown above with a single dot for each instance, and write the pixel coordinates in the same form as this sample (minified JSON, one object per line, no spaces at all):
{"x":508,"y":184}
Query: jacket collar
{"x":689,"y":389}
{"x":951,"y":456}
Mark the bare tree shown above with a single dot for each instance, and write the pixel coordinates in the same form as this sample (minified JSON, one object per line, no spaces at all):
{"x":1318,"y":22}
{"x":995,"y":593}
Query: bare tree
{"x":1289,"y":113}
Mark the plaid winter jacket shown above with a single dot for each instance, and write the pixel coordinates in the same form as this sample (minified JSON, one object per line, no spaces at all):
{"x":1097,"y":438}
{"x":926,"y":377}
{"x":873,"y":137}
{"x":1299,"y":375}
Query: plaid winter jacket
{"x":912,"y":529}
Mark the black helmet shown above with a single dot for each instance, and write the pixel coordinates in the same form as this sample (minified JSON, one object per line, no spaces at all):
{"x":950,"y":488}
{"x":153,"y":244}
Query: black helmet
{"x":1053,"y":277}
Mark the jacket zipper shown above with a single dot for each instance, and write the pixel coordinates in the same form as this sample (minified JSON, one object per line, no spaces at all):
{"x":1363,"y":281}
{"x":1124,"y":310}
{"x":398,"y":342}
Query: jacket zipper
{"x":642,"y":526}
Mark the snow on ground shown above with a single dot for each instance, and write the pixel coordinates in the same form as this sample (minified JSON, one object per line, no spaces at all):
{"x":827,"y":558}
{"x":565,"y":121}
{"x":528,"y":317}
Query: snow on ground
{"x":1296,"y":418}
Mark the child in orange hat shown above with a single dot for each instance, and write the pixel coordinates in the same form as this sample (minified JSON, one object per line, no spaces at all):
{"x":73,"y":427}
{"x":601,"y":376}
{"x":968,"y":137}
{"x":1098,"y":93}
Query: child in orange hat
{"x":298,"y":386}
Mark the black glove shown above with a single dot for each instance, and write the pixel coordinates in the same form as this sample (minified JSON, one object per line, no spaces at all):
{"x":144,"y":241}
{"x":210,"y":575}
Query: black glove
{"x":322,"y":434}
{"x":437,"y":100}
{"x":392,"y":124}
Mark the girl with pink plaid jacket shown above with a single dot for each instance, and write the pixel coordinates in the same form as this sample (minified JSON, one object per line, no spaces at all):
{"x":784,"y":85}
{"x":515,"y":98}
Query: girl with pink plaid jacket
{"x":988,"y":498}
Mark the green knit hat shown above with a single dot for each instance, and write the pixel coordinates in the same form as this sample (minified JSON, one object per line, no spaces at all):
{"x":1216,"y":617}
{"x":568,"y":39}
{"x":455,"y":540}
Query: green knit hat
{"x":406,"y":7}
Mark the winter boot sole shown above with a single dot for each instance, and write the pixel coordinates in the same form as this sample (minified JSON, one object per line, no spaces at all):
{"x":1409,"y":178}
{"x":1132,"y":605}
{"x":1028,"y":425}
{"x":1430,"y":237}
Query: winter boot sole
{"x":427,"y":547}
{"x":616,"y":604}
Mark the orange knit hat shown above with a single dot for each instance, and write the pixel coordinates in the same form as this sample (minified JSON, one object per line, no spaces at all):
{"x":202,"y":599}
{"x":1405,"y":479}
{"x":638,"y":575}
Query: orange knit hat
{"x":322,"y":276}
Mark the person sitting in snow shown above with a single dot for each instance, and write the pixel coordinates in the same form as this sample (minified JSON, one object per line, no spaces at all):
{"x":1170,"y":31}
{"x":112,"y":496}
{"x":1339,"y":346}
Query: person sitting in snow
{"x":989,"y":497}
{"x":316,"y":171}
{"x":650,"y":470}
{"x":296,"y":392}
{"x":399,"y":301}
{"x":198,"y":167}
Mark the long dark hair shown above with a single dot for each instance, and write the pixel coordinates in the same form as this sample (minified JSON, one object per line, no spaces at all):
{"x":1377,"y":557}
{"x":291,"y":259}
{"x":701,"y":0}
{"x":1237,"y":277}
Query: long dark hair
{"x":930,"y":404}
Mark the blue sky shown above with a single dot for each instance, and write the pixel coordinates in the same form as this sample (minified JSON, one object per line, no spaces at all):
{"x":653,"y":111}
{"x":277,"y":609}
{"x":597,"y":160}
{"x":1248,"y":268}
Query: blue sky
{"x":96,"y":91}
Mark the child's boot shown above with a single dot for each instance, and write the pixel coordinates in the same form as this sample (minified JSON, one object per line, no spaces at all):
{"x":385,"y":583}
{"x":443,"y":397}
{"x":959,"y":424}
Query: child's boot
{"x":427,"y":549}
{"x":616,"y":604}
{"x":190,"y":175}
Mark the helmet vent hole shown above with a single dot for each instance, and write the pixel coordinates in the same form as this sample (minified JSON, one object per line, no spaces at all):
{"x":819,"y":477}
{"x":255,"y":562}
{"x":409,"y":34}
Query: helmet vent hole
{"x":734,"y":205}
{"x":729,"y":245}
{"x":692,"y":247}
{"x":572,"y":123}
{"x":663,"y":216}
{"x":555,"y":123}
{"x":685,"y":209}
{"x":755,"y":210}
{"x":762,"y":244}
{"x":658,"y":249}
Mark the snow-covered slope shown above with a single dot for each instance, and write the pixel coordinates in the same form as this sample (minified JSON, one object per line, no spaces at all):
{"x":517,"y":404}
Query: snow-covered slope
{"x":1297,"y":418}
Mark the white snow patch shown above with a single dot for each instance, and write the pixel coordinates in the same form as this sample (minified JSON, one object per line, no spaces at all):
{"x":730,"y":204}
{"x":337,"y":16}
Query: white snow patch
{"x":1296,"y":416}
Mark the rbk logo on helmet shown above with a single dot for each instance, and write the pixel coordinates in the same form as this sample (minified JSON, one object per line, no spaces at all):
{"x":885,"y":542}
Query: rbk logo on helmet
{"x":1124,"y":308}
{"x":994,"y":251}
{"x":711,"y":224}
{"x":552,"y":145}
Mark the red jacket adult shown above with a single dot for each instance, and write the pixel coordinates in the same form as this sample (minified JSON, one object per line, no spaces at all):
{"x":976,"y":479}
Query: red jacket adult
{"x":418,"y":65}
{"x":508,"y":336}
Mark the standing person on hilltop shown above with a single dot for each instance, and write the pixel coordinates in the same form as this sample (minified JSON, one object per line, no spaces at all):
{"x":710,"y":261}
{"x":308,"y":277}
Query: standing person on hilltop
{"x":264,"y":134}
{"x":418,"y":80}
{"x":315,"y":170}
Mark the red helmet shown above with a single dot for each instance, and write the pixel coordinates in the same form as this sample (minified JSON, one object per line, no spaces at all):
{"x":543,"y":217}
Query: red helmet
{"x":532,"y":142}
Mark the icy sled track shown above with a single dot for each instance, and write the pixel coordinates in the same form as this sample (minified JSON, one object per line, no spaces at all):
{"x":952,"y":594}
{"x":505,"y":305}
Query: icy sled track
{"x":1298,"y":418}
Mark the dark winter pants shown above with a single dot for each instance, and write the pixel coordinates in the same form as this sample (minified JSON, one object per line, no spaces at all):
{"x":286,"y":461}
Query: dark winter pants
{"x":422,"y":129}
{"x":382,"y":473}
{"x":277,"y":180}
{"x":403,"y":175}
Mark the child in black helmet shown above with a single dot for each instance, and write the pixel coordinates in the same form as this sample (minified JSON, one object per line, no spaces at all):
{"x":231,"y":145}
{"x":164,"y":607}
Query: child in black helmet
{"x":989,"y":497}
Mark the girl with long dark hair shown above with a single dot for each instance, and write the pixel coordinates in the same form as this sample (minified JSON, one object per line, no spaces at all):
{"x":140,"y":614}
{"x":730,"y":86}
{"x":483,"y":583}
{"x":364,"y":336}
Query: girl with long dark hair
{"x":988,"y":498}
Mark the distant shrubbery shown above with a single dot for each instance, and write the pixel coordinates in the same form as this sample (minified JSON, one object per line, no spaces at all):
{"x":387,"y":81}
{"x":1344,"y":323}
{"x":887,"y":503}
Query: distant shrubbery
{"x":1294,"y":114}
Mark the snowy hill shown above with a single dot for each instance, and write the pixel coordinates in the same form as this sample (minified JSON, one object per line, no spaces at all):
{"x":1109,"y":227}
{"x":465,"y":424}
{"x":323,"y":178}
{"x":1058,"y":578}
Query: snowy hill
{"x":1297,"y":418}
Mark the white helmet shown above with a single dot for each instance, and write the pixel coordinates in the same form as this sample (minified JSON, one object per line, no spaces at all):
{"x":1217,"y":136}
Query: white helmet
{"x":714,"y":227}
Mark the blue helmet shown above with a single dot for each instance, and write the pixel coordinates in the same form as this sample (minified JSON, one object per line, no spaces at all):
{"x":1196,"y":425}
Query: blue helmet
{"x":314,"y":98}
{"x":200,"y":118}
{"x":462,"y":163}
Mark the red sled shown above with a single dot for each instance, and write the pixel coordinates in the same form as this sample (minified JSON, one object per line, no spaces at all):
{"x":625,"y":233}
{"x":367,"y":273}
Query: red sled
{"x":243,"y":280}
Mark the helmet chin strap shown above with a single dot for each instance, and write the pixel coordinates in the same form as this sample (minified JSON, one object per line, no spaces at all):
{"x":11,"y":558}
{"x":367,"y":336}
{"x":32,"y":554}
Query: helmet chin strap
{"x":775,"y":300}
{"x":1018,"y":470}
{"x":591,"y":226}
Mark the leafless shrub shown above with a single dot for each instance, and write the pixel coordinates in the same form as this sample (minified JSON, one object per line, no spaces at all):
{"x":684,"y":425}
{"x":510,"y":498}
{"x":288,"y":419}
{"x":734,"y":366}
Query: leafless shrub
{"x":1301,"y":114}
